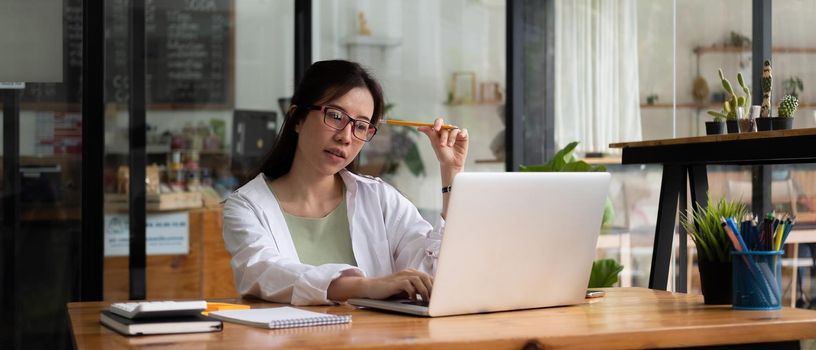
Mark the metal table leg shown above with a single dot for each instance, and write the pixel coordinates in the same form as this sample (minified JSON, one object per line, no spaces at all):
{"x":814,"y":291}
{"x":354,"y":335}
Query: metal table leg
{"x":674,"y":177}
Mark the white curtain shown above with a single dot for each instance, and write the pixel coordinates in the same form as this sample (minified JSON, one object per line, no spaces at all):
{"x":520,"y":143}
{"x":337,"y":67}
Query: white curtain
{"x":596,"y":73}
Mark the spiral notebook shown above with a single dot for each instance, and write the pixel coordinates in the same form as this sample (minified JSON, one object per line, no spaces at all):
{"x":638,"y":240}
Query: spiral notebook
{"x":279,"y":317}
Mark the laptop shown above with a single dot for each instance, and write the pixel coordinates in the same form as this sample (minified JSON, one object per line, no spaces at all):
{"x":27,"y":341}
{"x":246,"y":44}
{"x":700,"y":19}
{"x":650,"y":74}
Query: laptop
{"x":513,"y":241}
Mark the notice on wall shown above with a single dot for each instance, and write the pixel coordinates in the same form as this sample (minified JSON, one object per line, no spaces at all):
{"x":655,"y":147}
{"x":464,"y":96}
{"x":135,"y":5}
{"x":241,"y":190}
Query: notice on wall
{"x":12,"y":85}
{"x":167,"y":234}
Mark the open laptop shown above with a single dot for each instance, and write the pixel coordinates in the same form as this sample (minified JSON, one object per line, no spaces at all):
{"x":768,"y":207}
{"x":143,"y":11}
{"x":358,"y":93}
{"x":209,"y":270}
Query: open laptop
{"x":513,"y":241}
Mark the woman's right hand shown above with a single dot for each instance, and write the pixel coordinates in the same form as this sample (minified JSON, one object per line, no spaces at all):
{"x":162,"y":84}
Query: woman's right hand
{"x":408,"y":281}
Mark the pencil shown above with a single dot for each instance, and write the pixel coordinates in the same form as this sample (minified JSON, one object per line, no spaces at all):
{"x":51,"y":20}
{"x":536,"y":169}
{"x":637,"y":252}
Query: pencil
{"x":407,"y":123}
{"x":780,"y":231}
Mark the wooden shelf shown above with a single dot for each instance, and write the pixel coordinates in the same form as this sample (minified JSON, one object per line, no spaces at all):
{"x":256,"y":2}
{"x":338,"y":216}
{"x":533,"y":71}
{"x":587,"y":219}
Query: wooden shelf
{"x":730,"y":49}
{"x":162,"y":149}
{"x":367,"y":40}
{"x":679,"y":105}
{"x":474,"y":104}
{"x":489,"y":161}
{"x":703,"y":105}
{"x":120,"y":149}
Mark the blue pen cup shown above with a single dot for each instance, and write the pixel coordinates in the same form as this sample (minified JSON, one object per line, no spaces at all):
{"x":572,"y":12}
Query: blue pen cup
{"x":757,"y":280}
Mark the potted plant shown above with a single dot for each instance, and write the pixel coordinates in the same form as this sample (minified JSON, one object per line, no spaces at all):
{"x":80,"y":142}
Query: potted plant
{"x":392,"y":148}
{"x":716,"y":126}
{"x":733,"y":107}
{"x":784,"y":113}
{"x":713,"y":247}
{"x":746,"y":123}
{"x":763,"y":123}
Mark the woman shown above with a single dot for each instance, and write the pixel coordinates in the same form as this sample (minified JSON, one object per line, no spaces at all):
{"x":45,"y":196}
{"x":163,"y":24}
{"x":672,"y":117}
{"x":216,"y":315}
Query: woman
{"x":308,"y":230}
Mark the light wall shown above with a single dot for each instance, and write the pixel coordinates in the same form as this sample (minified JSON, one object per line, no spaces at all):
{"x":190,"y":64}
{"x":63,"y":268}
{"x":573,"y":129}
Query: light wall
{"x":436,"y":38}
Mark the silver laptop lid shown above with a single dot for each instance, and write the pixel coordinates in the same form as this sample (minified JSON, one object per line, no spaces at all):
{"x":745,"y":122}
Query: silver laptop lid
{"x":517,"y":241}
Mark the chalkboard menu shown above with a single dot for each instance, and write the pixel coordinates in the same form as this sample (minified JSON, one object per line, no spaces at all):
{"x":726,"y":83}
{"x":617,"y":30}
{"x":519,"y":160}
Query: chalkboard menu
{"x":189,"y":55}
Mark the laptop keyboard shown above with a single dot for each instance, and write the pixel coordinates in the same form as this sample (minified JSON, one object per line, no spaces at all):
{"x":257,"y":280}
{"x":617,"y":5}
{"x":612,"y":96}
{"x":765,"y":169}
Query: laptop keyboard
{"x":415,"y":302}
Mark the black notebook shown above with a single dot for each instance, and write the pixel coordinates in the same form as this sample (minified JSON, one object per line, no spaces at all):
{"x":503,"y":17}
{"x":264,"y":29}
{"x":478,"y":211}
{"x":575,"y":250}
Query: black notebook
{"x":159,"y":325}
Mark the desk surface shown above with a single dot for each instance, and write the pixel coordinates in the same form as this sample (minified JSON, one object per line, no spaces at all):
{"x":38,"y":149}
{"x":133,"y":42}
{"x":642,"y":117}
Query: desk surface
{"x":625,"y":318}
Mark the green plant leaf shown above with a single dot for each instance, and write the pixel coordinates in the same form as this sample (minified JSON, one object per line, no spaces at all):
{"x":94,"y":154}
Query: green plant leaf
{"x":564,"y":160}
{"x":604,"y":273}
{"x":387,"y":108}
{"x":608,"y":213}
{"x":557,"y":163}
{"x":717,"y":116}
{"x":564,"y":156}
{"x":704,"y":227}
{"x":579,"y":166}
{"x":414,"y":161}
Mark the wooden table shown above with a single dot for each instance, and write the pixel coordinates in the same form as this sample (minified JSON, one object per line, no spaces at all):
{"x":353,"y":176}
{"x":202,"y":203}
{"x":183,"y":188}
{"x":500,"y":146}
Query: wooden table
{"x":625,"y":318}
{"x":685,"y":159}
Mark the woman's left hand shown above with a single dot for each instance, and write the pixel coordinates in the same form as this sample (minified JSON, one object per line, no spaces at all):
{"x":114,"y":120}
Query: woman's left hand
{"x":450,"y":145}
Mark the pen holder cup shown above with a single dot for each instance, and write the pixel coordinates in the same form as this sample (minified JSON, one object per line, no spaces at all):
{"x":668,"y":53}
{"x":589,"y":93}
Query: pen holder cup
{"x":757,"y":280}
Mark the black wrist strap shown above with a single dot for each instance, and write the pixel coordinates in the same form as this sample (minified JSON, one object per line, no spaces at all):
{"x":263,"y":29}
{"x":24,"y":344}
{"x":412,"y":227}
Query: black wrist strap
{"x":446,"y":189}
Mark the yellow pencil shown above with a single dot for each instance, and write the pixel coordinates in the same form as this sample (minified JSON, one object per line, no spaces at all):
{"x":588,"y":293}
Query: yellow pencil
{"x":780,"y":230}
{"x":406,"y":123}
{"x":212,"y":306}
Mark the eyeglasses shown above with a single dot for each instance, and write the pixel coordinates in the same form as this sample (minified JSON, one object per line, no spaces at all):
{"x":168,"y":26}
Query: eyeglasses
{"x":337,"y":119}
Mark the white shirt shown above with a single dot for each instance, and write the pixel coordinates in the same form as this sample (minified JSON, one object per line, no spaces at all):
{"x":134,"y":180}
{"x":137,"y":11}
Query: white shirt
{"x":387,"y":235}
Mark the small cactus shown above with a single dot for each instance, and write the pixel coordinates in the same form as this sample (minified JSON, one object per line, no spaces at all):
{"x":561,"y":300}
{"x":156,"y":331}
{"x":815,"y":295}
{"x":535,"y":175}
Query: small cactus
{"x":745,"y":89}
{"x":767,"y":79}
{"x":787,"y":106}
{"x":718,"y":117}
{"x":733,"y":102}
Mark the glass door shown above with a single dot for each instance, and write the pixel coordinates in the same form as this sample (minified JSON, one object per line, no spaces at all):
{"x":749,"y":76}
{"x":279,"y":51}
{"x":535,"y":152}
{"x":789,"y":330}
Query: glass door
{"x":42,"y":160}
{"x":215,"y":73}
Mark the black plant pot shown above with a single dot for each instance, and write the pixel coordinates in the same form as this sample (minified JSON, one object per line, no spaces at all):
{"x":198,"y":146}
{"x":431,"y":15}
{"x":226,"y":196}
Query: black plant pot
{"x":764,"y":124}
{"x":733,"y":126}
{"x":715,"y":281}
{"x":782,"y":123}
{"x":715,"y":128}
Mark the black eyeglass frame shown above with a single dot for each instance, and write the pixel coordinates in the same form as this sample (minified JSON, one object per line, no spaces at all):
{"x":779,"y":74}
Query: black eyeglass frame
{"x":349,"y":119}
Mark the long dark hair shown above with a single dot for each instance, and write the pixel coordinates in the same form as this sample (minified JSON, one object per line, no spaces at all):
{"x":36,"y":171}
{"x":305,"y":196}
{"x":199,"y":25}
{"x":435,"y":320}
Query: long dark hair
{"x":323,"y":81}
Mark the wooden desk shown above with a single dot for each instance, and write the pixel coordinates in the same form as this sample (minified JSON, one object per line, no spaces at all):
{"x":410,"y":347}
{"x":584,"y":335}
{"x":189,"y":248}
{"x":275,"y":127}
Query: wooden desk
{"x":685,"y":159}
{"x":625,"y":318}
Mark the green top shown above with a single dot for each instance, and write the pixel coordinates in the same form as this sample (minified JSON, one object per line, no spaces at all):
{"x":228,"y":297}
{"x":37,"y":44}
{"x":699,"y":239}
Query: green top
{"x":325,"y":240}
